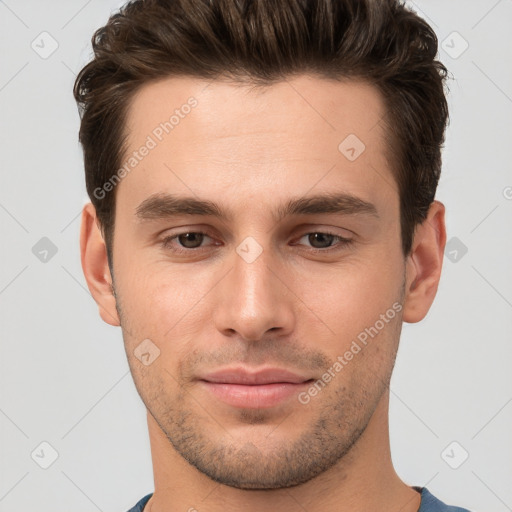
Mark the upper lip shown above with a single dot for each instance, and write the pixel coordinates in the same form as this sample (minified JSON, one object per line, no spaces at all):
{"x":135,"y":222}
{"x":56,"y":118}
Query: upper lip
{"x":244,"y":376}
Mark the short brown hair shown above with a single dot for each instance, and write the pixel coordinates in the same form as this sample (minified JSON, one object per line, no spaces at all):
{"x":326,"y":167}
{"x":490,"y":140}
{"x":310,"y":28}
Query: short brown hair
{"x":260,"y":42}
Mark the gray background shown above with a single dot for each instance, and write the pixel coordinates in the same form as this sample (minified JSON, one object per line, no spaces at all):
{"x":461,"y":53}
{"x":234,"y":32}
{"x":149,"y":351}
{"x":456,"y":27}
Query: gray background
{"x":63,"y":372}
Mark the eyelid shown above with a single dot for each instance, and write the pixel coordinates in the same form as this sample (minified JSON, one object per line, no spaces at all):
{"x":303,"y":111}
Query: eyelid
{"x":321,"y":228}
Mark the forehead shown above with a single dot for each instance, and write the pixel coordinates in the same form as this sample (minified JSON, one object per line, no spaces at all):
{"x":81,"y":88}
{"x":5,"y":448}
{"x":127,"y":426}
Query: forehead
{"x":217,"y":137}
{"x":227,"y":109}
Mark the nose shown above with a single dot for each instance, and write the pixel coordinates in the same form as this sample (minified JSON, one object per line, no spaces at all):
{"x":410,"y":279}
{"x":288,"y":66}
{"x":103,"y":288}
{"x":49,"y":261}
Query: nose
{"x":253,"y":298}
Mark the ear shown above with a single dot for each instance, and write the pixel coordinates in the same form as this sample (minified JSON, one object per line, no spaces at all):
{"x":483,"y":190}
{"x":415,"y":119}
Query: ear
{"x":424,"y":263}
{"x":93,"y":253}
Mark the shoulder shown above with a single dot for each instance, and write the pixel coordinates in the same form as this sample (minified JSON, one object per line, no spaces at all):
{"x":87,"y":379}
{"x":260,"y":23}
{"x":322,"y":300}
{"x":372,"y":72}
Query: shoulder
{"x":139,"y":507}
{"x":429,"y":503}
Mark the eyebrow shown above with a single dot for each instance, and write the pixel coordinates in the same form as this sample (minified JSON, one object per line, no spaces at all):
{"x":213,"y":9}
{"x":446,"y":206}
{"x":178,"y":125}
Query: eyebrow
{"x":161,"y":206}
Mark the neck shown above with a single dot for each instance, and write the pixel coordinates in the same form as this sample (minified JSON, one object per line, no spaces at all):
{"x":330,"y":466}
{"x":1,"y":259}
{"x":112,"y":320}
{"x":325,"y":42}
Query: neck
{"x":363,"y":480}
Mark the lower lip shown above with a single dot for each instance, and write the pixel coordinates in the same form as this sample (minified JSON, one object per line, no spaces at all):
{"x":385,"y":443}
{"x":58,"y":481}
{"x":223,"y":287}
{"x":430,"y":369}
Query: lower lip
{"x":255,"y":396}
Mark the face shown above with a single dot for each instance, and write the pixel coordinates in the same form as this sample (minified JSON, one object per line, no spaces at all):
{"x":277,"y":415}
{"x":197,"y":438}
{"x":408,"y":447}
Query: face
{"x":258,"y":272}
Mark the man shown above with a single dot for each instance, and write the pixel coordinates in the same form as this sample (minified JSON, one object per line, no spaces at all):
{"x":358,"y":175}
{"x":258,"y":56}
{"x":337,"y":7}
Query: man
{"x":262,"y":220}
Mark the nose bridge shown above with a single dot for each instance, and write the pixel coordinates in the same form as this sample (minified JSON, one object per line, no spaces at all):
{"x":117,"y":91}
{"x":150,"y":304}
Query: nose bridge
{"x":252,"y":269}
{"x":252,"y":299}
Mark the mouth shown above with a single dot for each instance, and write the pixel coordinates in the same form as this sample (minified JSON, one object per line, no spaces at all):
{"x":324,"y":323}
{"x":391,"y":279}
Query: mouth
{"x":239,"y":387}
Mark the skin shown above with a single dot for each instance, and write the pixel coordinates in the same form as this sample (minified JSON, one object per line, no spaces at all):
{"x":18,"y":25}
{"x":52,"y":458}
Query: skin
{"x":250,"y":150}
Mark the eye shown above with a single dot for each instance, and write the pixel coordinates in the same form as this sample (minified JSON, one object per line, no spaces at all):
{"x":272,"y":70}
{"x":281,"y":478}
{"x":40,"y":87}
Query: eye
{"x":323,"y":241}
{"x":187,"y":241}
{"x":192,"y":241}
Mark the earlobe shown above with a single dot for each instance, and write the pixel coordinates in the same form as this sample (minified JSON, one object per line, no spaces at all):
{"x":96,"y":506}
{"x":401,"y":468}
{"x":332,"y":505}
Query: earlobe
{"x":424,"y":264}
{"x":93,"y":254}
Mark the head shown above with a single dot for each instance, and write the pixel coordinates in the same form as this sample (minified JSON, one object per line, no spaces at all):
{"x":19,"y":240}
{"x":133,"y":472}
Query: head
{"x":302,"y":144}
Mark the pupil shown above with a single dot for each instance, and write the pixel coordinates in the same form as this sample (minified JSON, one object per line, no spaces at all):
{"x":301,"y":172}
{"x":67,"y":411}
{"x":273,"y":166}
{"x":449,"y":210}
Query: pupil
{"x":314,"y":237}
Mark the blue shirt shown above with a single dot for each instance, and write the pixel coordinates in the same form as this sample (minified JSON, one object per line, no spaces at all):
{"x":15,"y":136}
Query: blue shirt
{"x":429,"y":503}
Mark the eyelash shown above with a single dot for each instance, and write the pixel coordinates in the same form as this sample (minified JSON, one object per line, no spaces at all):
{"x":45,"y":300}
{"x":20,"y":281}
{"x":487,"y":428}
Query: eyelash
{"x":342,"y":242}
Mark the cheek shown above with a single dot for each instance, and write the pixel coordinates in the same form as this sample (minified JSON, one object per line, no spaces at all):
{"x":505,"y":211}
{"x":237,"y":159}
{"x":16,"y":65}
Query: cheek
{"x":349,"y":298}
{"x":165,"y":306}
{"x":150,"y":292}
